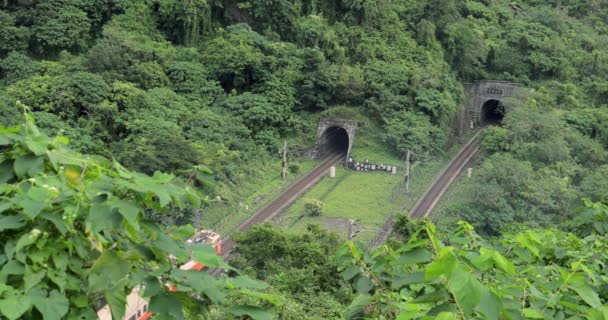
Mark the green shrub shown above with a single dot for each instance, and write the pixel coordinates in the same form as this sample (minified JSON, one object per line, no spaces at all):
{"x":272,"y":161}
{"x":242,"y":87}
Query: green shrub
{"x":314,"y":207}
{"x":294,"y":168}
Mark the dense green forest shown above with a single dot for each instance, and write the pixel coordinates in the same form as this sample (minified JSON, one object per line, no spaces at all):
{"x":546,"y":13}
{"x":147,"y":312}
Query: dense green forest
{"x":201,"y":88}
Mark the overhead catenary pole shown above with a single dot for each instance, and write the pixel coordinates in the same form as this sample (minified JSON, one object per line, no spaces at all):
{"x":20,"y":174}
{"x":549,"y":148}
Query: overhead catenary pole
{"x":406,"y":177}
{"x":284,"y":169}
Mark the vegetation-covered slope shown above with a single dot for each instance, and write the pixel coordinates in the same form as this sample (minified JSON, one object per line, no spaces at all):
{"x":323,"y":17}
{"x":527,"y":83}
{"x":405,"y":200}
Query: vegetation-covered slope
{"x":171,"y":84}
{"x":167,"y":84}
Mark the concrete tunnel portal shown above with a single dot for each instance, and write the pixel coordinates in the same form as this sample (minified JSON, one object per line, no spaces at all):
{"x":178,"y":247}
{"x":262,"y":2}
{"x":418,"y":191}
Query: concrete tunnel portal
{"x":335,"y":136}
{"x":335,"y":140}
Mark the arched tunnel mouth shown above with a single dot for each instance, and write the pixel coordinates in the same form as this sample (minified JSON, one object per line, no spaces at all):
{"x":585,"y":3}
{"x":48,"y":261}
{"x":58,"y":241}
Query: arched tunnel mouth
{"x":335,"y":140}
{"x":492,"y":113}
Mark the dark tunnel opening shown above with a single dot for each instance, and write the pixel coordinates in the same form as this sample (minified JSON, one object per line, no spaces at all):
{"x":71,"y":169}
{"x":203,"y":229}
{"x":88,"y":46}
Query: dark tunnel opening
{"x":492,"y":113}
{"x":335,"y":140}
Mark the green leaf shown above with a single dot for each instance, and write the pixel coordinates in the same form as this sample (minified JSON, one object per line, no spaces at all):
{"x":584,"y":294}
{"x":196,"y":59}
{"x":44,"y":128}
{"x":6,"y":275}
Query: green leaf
{"x":151,"y":286}
{"x":254,"y":312}
{"x":433,"y":297}
{"x":4,"y":287}
{"x":30,"y":124}
{"x":482,"y":261}
{"x":59,"y":223}
{"x":25,"y":240}
{"x":357,"y":306}
{"x":59,"y":278}
{"x":503,"y":264}
{"x":363,"y":284}
{"x":65,"y":157}
{"x":525,"y":241}
{"x":446,"y":316}
{"x":443,"y":266}
{"x":587,"y":294}
{"x":413,"y":244}
{"x":28,"y":165}
{"x":117,"y":300}
{"x":6,"y":171}
{"x":11,"y":222}
{"x":37,"y":144}
{"x":14,"y":306}
{"x":350,"y":272}
{"x":13,"y":267}
{"x":108,"y":269}
{"x":31,"y":208}
{"x":53,"y":307}
{"x":170,"y":246}
{"x":533,"y":314}
{"x":466,"y":289}
{"x":4,"y":140}
{"x":39,"y":194}
{"x":201,"y":282}
{"x":206,"y":179}
{"x":489,"y":306}
{"x":31,"y":279}
{"x":163,"y":196}
{"x":129,"y":210}
{"x":100,"y":217}
{"x":404,"y":279}
{"x":206,"y":255}
{"x":418,"y":255}
{"x":167,"y":306}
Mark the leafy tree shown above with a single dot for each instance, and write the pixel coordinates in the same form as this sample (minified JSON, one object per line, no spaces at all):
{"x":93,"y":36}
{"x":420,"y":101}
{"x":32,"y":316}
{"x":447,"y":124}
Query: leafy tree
{"x":464,"y":47}
{"x":185,"y":20}
{"x":233,"y":58}
{"x":73,"y":224}
{"x":12,"y":37}
{"x":350,"y":87}
{"x":17,"y":66}
{"x":299,"y":265}
{"x":148,"y":75}
{"x":528,"y":274}
{"x":414,"y":132}
{"x":316,"y":84}
{"x":279,"y":15}
{"x":60,"y":25}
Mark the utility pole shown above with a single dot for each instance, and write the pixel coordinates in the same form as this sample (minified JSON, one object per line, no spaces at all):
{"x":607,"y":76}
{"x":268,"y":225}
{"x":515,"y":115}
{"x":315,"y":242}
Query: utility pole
{"x":351,"y":222}
{"x":197,"y":219}
{"x":406,"y":177}
{"x":284,"y":171}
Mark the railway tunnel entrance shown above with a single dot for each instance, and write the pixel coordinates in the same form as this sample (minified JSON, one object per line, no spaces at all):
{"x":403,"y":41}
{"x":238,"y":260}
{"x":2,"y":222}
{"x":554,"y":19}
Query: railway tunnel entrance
{"x":335,"y":135}
{"x":492,"y":113}
{"x":485,"y":103}
{"x":335,"y":140}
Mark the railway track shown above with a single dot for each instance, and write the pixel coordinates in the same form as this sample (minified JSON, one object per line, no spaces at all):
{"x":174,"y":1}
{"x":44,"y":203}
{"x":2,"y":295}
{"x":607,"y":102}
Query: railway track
{"x":282,"y":201}
{"x":429,"y":199}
